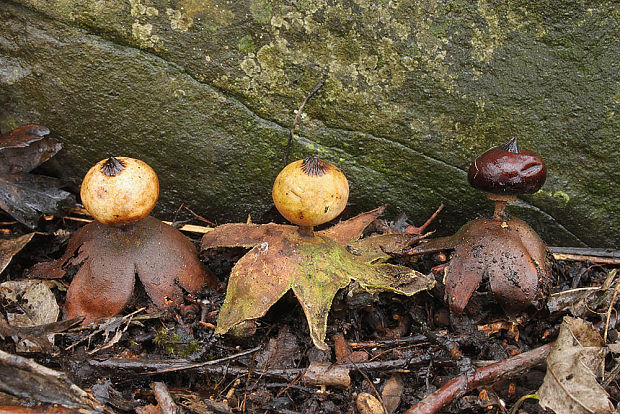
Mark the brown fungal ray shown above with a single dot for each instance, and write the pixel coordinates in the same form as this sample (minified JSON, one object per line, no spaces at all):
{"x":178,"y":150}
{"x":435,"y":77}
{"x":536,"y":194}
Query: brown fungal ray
{"x":510,"y":254}
{"x":535,"y":278}
{"x":464,"y":274}
{"x":531,"y":241}
{"x":513,"y":276}
{"x":168,"y":271}
{"x":101,"y":288}
{"x":111,"y":257}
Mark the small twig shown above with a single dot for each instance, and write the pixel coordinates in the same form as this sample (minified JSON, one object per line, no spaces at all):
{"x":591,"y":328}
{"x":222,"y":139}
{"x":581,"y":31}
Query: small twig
{"x":447,"y":344}
{"x":301,"y":108}
{"x":417,"y":339}
{"x":420,"y":230}
{"x":482,"y":376}
{"x":206,"y":363}
{"x":291,"y":384}
{"x":372,"y":386}
{"x":192,"y":228}
{"x":584,"y":258}
{"x":164,"y":399}
{"x":104,"y":324}
{"x":611,"y":305}
{"x":583,"y":254}
{"x":612,"y":376}
{"x":176,"y":213}
{"x":586,"y":251}
{"x":199,"y":217}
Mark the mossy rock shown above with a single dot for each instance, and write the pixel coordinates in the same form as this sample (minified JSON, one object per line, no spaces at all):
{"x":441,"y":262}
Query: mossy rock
{"x":206,"y":91}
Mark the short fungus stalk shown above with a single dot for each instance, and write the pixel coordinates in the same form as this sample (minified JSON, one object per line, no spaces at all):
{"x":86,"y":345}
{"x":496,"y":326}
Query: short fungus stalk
{"x":123,"y":243}
{"x":310,"y":192}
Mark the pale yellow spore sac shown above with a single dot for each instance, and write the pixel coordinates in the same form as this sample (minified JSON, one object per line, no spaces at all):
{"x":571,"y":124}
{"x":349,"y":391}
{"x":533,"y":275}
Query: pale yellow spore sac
{"x":121,"y":192}
{"x":310,"y":192}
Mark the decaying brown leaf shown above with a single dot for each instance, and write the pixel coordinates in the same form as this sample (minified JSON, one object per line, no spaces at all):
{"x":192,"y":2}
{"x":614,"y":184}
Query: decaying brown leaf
{"x":314,"y":267}
{"x":570,"y":385}
{"x":109,"y":259}
{"x":10,"y":247}
{"x":280,"y":352}
{"x":392,"y":393}
{"x":25,"y":148}
{"x":32,"y":303}
{"x":22,"y":195}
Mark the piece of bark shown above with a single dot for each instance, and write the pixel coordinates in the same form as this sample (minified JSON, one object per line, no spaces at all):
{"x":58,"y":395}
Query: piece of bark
{"x":25,"y":378}
{"x":368,"y":404}
{"x":326,"y":373}
{"x":392,"y":393}
{"x":164,"y":400}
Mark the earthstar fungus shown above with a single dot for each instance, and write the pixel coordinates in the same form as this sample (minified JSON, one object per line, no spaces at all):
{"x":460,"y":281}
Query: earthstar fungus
{"x":123,"y":243}
{"x":314,"y":265}
{"x":501,"y":248}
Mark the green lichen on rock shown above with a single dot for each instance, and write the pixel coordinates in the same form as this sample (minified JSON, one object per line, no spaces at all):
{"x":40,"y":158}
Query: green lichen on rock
{"x":413,"y":91}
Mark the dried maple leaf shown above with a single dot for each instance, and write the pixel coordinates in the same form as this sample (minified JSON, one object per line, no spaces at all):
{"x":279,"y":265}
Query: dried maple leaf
{"x":314,"y":266}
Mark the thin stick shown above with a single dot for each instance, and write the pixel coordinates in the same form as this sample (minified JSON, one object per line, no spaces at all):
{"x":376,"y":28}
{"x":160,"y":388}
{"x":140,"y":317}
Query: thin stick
{"x":611,"y":305}
{"x":199,"y":217}
{"x":164,"y":399}
{"x":586,"y":251}
{"x":301,"y":108}
{"x":192,"y":228}
{"x":206,"y":363}
{"x":374,"y":389}
{"x":584,"y":258}
{"x":482,"y":376}
{"x":420,"y":230}
{"x":158,"y":366}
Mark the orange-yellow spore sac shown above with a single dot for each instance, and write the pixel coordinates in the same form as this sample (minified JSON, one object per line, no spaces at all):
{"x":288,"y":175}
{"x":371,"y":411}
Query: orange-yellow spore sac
{"x":310,"y":192}
{"x":121,"y":192}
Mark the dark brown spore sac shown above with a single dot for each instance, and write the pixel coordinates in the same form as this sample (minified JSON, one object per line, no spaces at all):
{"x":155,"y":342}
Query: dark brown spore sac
{"x":506,"y":170}
{"x":112,"y":167}
{"x":314,"y":166}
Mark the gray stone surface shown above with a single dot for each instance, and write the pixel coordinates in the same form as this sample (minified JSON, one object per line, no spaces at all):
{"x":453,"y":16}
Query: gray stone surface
{"x":206,"y":91}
